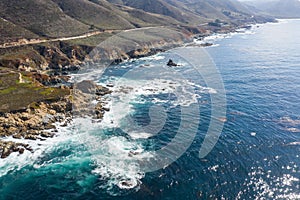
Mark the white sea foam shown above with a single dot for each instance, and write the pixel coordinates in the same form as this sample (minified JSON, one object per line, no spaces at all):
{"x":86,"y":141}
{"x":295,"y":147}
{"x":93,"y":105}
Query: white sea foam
{"x":214,"y":38}
{"x":115,"y":149}
{"x":213,"y":168}
{"x":115,"y":157}
{"x":294,"y":143}
{"x":87,"y":75}
{"x":290,"y":121}
{"x":139,"y":135}
{"x":253,"y":134}
{"x":291,"y":125}
{"x":17,"y":161}
{"x":293,"y":130}
{"x":116,"y":161}
{"x":282,"y":21}
{"x":154,"y":57}
{"x":127,"y":91}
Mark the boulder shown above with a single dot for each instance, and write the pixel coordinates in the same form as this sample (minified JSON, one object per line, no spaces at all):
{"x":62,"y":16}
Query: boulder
{"x":171,"y":63}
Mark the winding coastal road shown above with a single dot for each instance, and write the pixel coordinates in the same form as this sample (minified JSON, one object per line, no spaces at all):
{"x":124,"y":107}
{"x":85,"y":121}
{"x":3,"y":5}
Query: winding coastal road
{"x":23,"y":42}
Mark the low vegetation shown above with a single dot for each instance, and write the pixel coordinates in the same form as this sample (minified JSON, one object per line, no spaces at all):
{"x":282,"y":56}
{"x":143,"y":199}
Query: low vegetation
{"x":18,"y":90}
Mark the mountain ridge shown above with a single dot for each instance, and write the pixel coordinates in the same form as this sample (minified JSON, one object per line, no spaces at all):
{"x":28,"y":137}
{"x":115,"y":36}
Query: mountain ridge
{"x":278,"y":8}
{"x":65,"y":18}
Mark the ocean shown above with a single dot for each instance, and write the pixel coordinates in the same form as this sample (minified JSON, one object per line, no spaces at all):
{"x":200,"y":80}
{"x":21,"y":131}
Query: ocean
{"x":223,"y":124}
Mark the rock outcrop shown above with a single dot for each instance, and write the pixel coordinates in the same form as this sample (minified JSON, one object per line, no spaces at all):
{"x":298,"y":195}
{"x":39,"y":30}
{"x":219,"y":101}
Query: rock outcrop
{"x":86,"y":92}
{"x":58,"y":57}
{"x":171,"y":63}
{"x":37,"y":121}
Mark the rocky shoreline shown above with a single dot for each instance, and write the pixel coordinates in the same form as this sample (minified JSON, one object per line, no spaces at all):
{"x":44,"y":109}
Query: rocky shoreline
{"x":37,"y":121}
{"x":49,"y":69}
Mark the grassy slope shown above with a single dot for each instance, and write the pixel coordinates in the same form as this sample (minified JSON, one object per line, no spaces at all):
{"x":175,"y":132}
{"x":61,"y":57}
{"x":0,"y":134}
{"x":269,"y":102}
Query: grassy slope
{"x":10,"y":32}
{"x":192,"y":12}
{"x":43,"y":18}
{"x":137,"y":17}
{"x":58,"y":18}
{"x":202,"y":8}
{"x":91,"y":13}
{"x":164,"y":8}
{"x":92,"y":41}
{"x":12,"y":57}
{"x":16,"y":95}
{"x":124,"y":43}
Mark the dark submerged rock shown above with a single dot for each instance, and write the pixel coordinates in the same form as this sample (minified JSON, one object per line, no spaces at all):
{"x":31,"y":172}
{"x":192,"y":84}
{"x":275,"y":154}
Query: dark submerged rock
{"x":171,"y":63}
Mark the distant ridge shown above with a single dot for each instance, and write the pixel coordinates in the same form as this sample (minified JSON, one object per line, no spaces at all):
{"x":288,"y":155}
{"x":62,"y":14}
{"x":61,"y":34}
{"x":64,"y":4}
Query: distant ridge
{"x":278,"y":8}
{"x":193,"y":12}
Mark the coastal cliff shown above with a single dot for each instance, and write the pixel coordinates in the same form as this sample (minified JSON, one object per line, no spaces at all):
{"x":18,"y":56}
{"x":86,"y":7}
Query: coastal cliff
{"x":40,"y":72}
{"x":31,"y":111}
{"x":38,"y":54}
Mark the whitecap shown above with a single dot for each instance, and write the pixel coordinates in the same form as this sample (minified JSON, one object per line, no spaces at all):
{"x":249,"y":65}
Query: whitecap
{"x":154,"y":57}
{"x":17,"y":161}
{"x":294,"y":143}
{"x":116,"y":162}
{"x":253,"y":134}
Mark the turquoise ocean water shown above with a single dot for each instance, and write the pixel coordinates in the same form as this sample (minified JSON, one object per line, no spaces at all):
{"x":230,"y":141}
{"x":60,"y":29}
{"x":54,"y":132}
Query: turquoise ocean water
{"x":256,"y":156}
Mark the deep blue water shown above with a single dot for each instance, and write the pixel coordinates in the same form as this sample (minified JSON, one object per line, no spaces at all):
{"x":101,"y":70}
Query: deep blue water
{"x":256,"y":156}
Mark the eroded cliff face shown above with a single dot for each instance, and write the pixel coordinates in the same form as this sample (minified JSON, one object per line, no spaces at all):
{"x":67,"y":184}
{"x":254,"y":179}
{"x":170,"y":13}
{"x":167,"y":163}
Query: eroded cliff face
{"x":137,"y":44}
{"x":62,"y":57}
{"x":57,"y":56}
